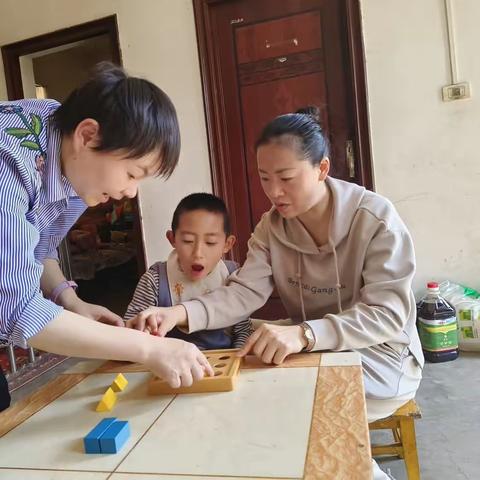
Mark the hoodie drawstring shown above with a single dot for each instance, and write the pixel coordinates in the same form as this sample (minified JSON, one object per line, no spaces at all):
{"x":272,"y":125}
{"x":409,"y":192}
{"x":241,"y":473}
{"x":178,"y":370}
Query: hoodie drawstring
{"x":299,"y":279}
{"x":338,"y":285}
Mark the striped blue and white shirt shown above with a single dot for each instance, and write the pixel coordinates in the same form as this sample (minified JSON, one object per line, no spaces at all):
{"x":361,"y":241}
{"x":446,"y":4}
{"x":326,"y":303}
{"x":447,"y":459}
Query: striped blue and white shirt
{"x":38,"y":206}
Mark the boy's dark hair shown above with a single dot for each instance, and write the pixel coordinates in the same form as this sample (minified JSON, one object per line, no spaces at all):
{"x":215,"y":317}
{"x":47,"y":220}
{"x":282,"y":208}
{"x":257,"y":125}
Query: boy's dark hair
{"x":302,"y":130}
{"x":202,"y":201}
{"x":134,"y":115}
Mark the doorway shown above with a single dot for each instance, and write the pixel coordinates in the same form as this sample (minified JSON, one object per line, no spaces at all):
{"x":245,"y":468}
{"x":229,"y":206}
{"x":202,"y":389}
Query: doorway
{"x":104,"y":250}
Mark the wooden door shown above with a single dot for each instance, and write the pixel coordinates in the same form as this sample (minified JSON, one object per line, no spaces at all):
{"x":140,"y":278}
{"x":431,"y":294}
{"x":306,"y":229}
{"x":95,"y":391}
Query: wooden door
{"x":263,"y":58}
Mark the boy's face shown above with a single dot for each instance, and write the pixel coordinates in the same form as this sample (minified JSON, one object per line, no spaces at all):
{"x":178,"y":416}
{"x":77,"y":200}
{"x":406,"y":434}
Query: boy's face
{"x":200,"y":242}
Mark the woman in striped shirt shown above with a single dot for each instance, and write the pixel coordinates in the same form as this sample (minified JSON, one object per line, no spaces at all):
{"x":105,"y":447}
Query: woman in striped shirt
{"x":55,"y":160}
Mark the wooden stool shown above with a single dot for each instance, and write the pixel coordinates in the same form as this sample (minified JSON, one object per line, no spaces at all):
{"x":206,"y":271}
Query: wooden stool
{"x":401,"y":423}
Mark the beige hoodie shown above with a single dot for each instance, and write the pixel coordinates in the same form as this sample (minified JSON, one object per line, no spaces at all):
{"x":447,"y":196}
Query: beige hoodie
{"x":355,"y":292}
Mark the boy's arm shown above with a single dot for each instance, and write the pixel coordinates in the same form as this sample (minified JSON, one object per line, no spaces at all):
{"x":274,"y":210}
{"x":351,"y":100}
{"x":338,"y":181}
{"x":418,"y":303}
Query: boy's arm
{"x":240,"y":333}
{"x":146,"y":294}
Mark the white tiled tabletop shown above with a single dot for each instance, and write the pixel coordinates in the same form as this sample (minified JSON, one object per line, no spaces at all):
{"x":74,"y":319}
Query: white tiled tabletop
{"x":260,"y":429}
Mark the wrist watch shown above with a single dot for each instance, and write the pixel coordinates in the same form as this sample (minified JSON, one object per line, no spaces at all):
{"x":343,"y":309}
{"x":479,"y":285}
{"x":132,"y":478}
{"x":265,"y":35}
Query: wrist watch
{"x":309,"y":336}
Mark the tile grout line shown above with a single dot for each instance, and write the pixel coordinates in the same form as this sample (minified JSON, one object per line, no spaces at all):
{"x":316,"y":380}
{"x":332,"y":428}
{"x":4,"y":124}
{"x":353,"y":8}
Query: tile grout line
{"x":142,"y":436}
{"x":311,"y":418}
{"x":194,"y":476}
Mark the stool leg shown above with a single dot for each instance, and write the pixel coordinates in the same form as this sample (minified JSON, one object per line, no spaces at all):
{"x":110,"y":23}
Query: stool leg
{"x":407,"y":433}
{"x":397,"y":438}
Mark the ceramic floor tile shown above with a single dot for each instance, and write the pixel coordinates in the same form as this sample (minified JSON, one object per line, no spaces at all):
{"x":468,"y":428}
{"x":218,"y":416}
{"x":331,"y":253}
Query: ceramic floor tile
{"x":10,"y":474}
{"x":235,"y":420}
{"x":53,"y":437}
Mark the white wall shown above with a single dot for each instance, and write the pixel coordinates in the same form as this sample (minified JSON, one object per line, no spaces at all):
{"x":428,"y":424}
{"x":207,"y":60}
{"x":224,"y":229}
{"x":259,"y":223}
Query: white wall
{"x":424,"y":150}
{"x":158,"y":42}
{"x":28,"y":76}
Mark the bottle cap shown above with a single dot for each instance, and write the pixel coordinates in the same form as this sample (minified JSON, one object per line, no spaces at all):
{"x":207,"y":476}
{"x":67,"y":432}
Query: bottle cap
{"x":432,"y":285}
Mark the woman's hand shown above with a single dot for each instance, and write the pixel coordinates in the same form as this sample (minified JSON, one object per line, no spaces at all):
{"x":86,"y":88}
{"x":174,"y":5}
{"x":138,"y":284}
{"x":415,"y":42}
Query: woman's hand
{"x":177,"y":362}
{"x":159,"y":320}
{"x":273,"y":343}
{"x":95,"y":312}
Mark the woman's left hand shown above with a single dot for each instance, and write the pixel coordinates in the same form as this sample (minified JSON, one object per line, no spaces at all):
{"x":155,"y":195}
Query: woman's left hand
{"x":273,"y":343}
{"x":95,"y":312}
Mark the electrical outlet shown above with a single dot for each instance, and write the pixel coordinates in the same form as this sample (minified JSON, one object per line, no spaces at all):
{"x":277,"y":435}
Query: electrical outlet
{"x":456,"y":91}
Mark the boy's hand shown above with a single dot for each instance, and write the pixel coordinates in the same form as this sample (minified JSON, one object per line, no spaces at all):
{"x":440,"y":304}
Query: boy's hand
{"x":146,"y":321}
{"x":159,"y":320}
{"x":273,"y":343}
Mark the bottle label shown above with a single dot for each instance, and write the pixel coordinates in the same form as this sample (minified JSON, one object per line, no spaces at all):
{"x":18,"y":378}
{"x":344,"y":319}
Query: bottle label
{"x":469,"y":324}
{"x":438,"y":335}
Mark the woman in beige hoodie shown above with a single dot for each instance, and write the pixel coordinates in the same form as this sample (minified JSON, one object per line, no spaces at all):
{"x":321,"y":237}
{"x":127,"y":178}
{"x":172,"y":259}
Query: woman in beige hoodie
{"x":341,"y":259}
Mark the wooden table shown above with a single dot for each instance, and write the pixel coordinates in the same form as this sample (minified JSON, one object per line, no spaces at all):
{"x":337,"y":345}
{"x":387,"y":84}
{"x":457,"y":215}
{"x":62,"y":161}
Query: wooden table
{"x":305,"y":419}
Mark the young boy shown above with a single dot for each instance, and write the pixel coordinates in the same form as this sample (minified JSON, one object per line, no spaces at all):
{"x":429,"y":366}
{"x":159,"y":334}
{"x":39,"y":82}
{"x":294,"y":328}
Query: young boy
{"x":200,"y":236}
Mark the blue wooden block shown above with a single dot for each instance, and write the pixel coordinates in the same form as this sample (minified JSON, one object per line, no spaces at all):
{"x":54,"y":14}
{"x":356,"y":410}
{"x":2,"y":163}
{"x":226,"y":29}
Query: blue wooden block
{"x":91,"y":441}
{"x":115,"y":437}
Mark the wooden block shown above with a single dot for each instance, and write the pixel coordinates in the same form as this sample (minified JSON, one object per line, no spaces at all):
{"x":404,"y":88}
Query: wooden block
{"x":115,"y":437}
{"x":119,"y":383}
{"x":225,"y":365}
{"x":91,"y":441}
{"x":108,"y":401}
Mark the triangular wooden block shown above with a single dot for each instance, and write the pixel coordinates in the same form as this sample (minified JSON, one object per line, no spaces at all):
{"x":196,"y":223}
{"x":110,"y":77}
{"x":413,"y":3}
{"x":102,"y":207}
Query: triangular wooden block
{"x":107,"y":402}
{"x":119,"y":383}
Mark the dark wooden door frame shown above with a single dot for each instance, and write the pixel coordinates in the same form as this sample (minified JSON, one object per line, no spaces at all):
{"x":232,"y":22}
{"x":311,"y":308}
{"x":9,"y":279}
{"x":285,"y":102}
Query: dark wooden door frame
{"x":216,"y":120}
{"x":11,"y":54}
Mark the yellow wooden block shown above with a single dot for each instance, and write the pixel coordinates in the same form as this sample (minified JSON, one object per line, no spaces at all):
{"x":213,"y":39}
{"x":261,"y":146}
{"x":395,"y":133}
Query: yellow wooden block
{"x":225,"y":366}
{"x":108,"y":401}
{"x":119,"y":384}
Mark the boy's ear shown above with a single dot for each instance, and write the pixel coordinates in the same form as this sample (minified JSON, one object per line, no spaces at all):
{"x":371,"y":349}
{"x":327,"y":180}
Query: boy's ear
{"x":171,"y":238}
{"x":229,"y":243}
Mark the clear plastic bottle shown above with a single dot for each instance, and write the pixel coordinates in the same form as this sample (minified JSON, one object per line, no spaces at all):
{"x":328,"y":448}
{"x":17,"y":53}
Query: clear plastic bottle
{"x":437,"y":326}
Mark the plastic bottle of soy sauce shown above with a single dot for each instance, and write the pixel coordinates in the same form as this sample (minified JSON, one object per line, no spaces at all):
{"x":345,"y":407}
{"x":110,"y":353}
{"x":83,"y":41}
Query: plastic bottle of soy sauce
{"x":437,"y":326}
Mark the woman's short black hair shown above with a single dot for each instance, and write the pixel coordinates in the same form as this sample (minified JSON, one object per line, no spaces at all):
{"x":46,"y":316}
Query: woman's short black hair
{"x":134,"y":115}
{"x":302,"y":130}
{"x":202,"y":201}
